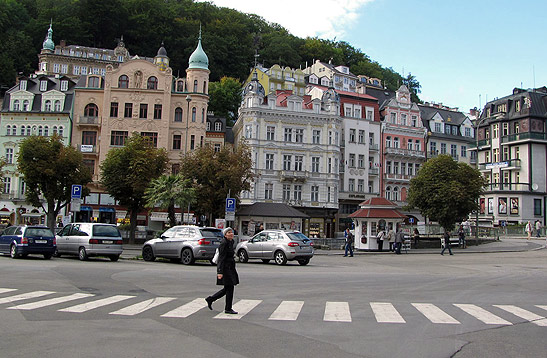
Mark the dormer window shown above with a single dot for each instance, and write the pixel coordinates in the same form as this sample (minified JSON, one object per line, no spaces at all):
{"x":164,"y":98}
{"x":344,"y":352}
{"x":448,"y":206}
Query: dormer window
{"x":57,"y":106}
{"x":218,"y":126}
{"x":25,"y":105}
{"x":43,"y":85}
{"x":47,"y":105}
{"x":16,"y":105}
{"x":517,"y":106}
{"x":208,"y":126}
{"x":23,"y":85}
{"x":64,"y":85}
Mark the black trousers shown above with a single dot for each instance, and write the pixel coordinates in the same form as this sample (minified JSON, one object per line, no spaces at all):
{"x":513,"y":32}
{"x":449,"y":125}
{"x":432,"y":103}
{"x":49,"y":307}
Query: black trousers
{"x":228,"y":290}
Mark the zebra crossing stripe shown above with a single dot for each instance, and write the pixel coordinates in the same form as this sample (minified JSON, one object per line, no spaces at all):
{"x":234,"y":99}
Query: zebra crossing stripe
{"x":527,"y":315}
{"x":142,"y":306}
{"x":287,"y":311}
{"x":386,"y":313}
{"x":4,"y":290}
{"x":434,"y":313}
{"x":50,"y":302}
{"x":242,"y":307}
{"x":337,"y":312}
{"x":542,"y":306}
{"x":84,"y":307}
{"x":25,"y":296}
{"x":187,"y":309}
{"x":481,"y":314}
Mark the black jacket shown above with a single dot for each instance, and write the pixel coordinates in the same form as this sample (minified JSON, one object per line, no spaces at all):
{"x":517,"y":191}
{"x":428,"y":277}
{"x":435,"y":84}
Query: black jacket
{"x":226,"y":264}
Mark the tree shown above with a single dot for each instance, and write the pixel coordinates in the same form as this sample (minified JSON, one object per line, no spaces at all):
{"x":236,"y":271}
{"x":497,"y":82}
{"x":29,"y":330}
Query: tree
{"x":50,"y":169}
{"x":225,"y":98}
{"x":413,"y":86}
{"x":126,"y":173}
{"x":216,"y":174}
{"x":446,"y":191}
{"x":168,"y":191}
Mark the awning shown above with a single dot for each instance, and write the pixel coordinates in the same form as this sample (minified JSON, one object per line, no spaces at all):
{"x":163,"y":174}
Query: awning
{"x":86,"y":208}
{"x":5,"y":213}
{"x":33,"y":215}
{"x":107,"y":210}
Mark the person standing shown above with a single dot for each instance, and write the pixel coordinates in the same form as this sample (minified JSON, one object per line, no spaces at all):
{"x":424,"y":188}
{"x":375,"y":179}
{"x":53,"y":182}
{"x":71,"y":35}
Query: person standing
{"x":380,"y":239}
{"x":416,"y":237}
{"x":391,"y":239}
{"x":528,"y":230}
{"x":226,"y":272}
{"x":461,"y":238}
{"x":349,"y":243}
{"x":538,"y":228}
{"x":446,"y":237}
{"x":399,"y":240}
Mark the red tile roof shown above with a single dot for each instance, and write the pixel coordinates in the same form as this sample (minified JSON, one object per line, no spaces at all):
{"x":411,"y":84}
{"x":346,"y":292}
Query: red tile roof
{"x":378,"y":213}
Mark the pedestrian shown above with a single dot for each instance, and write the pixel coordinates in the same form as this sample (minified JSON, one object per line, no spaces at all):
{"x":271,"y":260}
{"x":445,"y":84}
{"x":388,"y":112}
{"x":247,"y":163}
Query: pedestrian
{"x":391,"y":239}
{"x":349,"y":243}
{"x":461,"y":238}
{"x":538,"y":228}
{"x":399,"y":240}
{"x":528,"y":230}
{"x":226,"y":272}
{"x":416,"y":237}
{"x":446,"y":237}
{"x":380,"y":239}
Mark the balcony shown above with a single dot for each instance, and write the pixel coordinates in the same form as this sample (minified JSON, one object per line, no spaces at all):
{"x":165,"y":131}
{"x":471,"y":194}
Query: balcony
{"x":400,"y":152}
{"x":86,"y":120}
{"x":505,"y":165}
{"x":482,"y":143}
{"x":492,"y":187}
{"x":88,"y":149}
{"x":373,"y":171}
{"x":397,"y":177}
{"x":526,"y":136}
{"x":373,"y":147}
{"x":293,"y":176}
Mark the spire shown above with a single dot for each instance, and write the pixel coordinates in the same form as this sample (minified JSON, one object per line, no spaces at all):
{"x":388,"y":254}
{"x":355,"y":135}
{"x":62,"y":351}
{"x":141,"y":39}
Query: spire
{"x":199,"y":59}
{"x":48,"y":43}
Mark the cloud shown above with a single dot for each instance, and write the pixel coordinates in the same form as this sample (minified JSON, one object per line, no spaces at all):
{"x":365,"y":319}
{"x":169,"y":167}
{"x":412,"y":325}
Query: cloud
{"x":323,"y":18}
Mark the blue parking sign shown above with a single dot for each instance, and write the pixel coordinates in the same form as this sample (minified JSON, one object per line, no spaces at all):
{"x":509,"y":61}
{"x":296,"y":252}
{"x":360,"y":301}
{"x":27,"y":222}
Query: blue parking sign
{"x":230,"y":205}
{"x":76,"y":192}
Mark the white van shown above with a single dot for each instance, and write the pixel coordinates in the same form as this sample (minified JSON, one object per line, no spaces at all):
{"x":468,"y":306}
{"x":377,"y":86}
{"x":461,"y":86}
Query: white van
{"x":89,"y":239}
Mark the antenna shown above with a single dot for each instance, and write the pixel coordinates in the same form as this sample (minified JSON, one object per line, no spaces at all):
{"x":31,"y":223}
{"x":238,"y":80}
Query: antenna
{"x":534,"y":74}
{"x":256,"y":56}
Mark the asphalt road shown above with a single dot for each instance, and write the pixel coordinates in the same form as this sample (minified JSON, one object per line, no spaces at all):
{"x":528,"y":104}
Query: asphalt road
{"x":486,"y":304}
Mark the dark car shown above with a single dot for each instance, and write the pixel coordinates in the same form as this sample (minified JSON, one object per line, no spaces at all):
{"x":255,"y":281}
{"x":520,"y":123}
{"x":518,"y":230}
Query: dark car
{"x":24,"y":240}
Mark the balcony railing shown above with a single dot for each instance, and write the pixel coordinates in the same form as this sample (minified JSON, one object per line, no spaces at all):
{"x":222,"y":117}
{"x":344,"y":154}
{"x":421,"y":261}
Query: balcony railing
{"x":523,"y":136}
{"x":401,"y":177}
{"x":373,"y":171}
{"x":482,"y":143}
{"x":88,"y":120}
{"x":507,"y":164}
{"x":88,"y":148}
{"x":373,"y":146}
{"x":293,"y":175}
{"x":404,"y":152}
{"x":508,"y":187}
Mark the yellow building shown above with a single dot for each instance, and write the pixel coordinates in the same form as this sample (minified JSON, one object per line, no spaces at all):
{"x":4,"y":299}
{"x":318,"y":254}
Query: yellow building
{"x":280,"y":78}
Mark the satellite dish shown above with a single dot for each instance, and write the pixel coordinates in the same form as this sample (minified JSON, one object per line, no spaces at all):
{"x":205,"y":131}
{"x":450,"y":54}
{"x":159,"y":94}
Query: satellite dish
{"x":534,"y":186}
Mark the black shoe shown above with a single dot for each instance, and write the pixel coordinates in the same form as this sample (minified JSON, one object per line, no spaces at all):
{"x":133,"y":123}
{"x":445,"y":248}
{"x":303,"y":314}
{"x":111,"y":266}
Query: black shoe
{"x":209,"y":303}
{"x":230,"y":311}
{"x":350,"y":255}
{"x":442,"y":254}
{"x":345,"y":255}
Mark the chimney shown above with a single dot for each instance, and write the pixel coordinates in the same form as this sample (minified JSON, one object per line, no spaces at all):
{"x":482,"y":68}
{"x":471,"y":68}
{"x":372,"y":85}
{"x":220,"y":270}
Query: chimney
{"x":62,"y":43}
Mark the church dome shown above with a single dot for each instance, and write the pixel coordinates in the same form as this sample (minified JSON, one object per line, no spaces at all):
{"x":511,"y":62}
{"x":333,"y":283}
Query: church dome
{"x":162,"y":52}
{"x":198,"y":59}
{"x":48,"y":42}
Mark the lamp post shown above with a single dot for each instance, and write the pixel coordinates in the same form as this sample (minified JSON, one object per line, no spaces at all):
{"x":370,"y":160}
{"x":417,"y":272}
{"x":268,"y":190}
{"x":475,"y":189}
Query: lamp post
{"x":477,"y":124}
{"x":188,"y":100}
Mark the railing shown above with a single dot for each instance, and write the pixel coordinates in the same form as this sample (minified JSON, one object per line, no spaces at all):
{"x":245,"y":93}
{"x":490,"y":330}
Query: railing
{"x":373,"y":146}
{"x":373,"y":171}
{"x":405,"y":152}
{"x":87,"y":120}
{"x":506,"y":164}
{"x":88,"y":148}
{"x":292,"y":175}
{"x":508,"y":187}
{"x":402,"y":177}
{"x":482,"y":143}
{"x":523,"y":136}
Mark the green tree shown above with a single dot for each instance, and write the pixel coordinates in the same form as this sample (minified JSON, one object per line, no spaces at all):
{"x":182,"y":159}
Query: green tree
{"x":446,"y":191}
{"x":413,"y":86}
{"x":50,"y":169}
{"x":126,"y":172}
{"x":216,"y":174}
{"x":225,"y":98}
{"x":167,"y":191}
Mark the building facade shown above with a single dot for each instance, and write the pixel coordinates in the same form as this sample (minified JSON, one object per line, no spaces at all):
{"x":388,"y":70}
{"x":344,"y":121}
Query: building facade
{"x":320,"y":72}
{"x":279,"y":78}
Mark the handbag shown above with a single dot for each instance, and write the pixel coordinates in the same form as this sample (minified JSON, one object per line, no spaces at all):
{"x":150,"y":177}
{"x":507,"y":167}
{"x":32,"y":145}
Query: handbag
{"x":215,"y":258}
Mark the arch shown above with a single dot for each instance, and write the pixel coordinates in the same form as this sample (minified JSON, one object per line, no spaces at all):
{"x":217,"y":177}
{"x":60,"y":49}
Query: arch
{"x":180,"y":86}
{"x":40,"y":130}
{"x":23,"y":129}
{"x":193,"y":114}
{"x":123,"y":81}
{"x":14,"y":129}
{"x":91,"y":110}
{"x":178,"y":114}
{"x":57,"y":106}
{"x":152,"y":83}
{"x":47,"y":105}
{"x":388,"y":193}
{"x":61,"y":128}
{"x":93,"y":82}
{"x":388,"y":141}
{"x":195,"y":85}
{"x":46,"y":131}
{"x":395,"y":194}
{"x":16,"y":105}
{"x":25,"y":105}
{"x":8,"y":130}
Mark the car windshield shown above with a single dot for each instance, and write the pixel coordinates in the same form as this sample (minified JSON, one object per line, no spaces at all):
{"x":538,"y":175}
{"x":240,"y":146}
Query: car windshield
{"x":106,"y":230}
{"x":297,"y":236}
{"x":38,"y":231}
{"x":211,"y":233}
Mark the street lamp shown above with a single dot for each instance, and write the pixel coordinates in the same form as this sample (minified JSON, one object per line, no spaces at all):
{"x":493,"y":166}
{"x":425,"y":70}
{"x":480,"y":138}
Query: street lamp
{"x":188,"y":100}
{"x":477,"y":124}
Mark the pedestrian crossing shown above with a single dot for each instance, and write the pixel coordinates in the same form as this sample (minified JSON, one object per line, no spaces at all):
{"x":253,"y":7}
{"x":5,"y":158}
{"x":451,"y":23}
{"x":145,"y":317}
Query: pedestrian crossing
{"x":332,"y":311}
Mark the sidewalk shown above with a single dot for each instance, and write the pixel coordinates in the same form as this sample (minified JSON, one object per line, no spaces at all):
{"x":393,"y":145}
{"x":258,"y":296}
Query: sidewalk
{"x":503,"y":245}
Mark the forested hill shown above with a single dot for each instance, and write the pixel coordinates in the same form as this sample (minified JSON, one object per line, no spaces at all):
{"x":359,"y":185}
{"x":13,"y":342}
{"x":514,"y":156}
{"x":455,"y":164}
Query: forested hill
{"x":230,"y":38}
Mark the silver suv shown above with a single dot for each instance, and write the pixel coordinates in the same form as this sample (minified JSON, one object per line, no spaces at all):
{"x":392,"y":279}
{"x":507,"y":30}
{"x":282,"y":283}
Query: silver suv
{"x":184,"y":243}
{"x":277,"y":245}
{"x":89,"y":239}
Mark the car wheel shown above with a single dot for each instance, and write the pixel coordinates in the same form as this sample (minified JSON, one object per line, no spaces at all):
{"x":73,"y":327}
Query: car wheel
{"x":13,"y":251}
{"x":187,"y":257}
{"x":148,"y":254}
{"x":265,"y":261}
{"x":243,"y":256}
{"x":304,"y":262}
{"x":47,"y":256}
{"x":280,"y":258}
{"x":114,"y":258}
{"x":82,"y":255}
{"x":56,"y":253}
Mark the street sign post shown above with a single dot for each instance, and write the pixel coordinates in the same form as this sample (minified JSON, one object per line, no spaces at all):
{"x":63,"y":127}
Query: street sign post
{"x":229,"y":216}
{"x":230,"y":205}
{"x":76,"y":192}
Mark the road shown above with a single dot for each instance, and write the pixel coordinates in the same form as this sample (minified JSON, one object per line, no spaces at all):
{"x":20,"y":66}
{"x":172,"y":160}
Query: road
{"x":416,"y":305}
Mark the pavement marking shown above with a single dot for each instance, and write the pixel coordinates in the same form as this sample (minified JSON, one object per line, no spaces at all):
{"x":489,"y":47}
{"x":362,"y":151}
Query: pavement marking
{"x":386,"y":313}
{"x":527,"y":315}
{"x":337,"y":312}
{"x":481,"y":314}
{"x":84,"y":307}
{"x":142,"y":306}
{"x":4,"y":290}
{"x":434,"y":313}
{"x":187,"y":309}
{"x":287,"y":311}
{"x":242,"y":307}
{"x":542,"y":306}
{"x":50,"y":302}
{"x":25,"y":296}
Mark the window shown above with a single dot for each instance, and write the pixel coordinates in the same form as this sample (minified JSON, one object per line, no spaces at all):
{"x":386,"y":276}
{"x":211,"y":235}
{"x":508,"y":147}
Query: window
{"x":178,"y":114}
{"x":454,"y":150}
{"x":537,"y":206}
{"x":410,"y":168}
{"x":143,"y":111}
{"x":218,"y":126}
{"x":9,"y":155}
{"x":195,"y":85}
{"x":348,"y":111}
{"x":152,"y":83}
{"x":192,"y":142}
{"x":203,"y":115}
{"x":47,"y":105}
{"x":298,"y":162}
{"x":388,"y":142}
{"x":352,"y":135}
{"x":414,"y":121}
{"x":446,"y":129}
{"x":463,"y":151}
{"x":393,"y":117}
{"x":25,"y":105}
{"x":16,"y":105}
{"x":8,"y":130}
{"x":443,"y":148}
{"x":64,"y":85}
{"x":193,"y":114}
{"x":117,"y":138}
{"x":177,"y":141}
{"x":157,"y":111}
{"x":396,"y":142}
{"x":43,"y":85}
{"x":153,"y":136}
{"x":91,"y":110}
{"x":248,"y":131}
{"x":403,"y":119}
{"x":217,"y":147}
{"x":64,"y":68}
{"x":269,"y":161}
{"x":496,"y":155}
{"x":286,"y":192}
{"x":495,"y":130}
{"x":316,"y":136}
{"x":297,"y":192}
{"x":93,"y":82}
{"x":329,"y":166}
{"x":361,"y":136}
{"x":57,"y":106}
{"x":468,"y":132}
{"x":506,"y":153}
{"x":270,"y":133}
{"x":369,"y":115}
{"x":315,"y":193}
{"x":417,"y":145}
{"x":396,"y":168}
{"x":351,"y":185}
{"x":268,"y":188}
{"x":454,"y":130}
{"x":361,"y":185}
{"x":438,"y":128}
{"x":7,"y":185}
{"x":89,"y":137}
{"x":56,"y":68}
{"x":315,"y":164}
{"x":84,"y":70}
{"x":409,"y":144}
{"x":204,"y":86}
{"x":361,"y":161}
{"x":288,"y":135}
{"x":351,"y":163}
{"x":128,"y":110}
{"x":287,"y":159}
{"x":298,"y":135}
{"x":517,"y":106}
{"x":123,"y":81}
{"x":23,"y":85}
{"x":76,"y":70}
{"x":113,"y":109}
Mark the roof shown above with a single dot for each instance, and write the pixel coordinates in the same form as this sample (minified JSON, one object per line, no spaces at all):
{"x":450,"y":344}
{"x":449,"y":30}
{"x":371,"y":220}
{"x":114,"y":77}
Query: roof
{"x":271,"y":210}
{"x":427,"y":113}
{"x":378,"y":208}
{"x":198,"y":58}
{"x":383,"y":95}
{"x":347,"y":93}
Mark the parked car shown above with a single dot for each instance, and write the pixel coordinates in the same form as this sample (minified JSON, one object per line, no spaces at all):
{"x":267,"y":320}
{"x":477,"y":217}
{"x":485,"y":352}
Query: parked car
{"x":90,"y":239}
{"x":184,"y":243}
{"x":277,"y":245}
{"x":24,"y":240}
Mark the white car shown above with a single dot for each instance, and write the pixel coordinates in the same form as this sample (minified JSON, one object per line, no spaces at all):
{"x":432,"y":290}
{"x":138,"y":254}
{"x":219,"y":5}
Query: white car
{"x":89,"y":239}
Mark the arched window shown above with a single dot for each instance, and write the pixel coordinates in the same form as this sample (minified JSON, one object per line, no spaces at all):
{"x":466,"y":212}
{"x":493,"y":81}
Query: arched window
{"x":388,"y":141}
{"x":93,"y":82}
{"x":47,"y":106}
{"x":152,"y":83}
{"x":218,"y":126}
{"x":25,"y":105}
{"x":23,"y":130}
{"x":61,"y":130}
{"x":16,"y":105}
{"x":396,"y":194}
{"x":203,"y":115}
{"x":57,"y":106}
{"x":123,"y":81}
{"x":40,"y":130}
{"x":388,"y":193}
{"x":195,"y":85}
{"x":54,"y":130}
{"x":91,"y":110}
{"x":8,"y":130}
{"x":180,"y":86}
{"x":178,"y":114}
{"x":46,"y":131}
{"x":204,"y":86}
{"x":193,"y":114}
{"x":14,"y":130}
{"x":396,"y":142}
{"x":28,"y":130}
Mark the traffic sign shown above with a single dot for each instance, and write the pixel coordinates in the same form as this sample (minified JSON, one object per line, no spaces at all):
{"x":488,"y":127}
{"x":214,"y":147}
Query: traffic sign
{"x":230,"y":205}
{"x":411,"y":220}
{"x":75,"y":204}
{"x":76,"y":192}
{"x":230,"y":216}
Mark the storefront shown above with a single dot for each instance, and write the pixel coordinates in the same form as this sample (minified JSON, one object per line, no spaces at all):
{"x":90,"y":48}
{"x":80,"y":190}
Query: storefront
{"x":268,"y":216}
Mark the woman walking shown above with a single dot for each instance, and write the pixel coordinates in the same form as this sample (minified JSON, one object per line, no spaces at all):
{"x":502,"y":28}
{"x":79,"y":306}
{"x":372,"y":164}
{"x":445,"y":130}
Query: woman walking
{"x":226,"y":272}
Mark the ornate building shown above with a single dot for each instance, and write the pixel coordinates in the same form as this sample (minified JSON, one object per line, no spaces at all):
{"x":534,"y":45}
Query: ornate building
{"x":279,"y":78}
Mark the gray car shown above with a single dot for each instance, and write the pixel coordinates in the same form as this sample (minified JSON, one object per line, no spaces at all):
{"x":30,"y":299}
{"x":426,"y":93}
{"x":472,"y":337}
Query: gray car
{"x":89,"y":239}
{"x":184,"y":243}
{"x":277,"y":245}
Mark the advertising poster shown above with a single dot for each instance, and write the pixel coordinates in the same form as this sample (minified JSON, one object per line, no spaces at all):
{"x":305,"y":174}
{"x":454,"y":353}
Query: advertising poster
{"x":502,"y":206}
{"x":481,"y":203}
{"x":514,"y":206}
{"x":490,"y":205}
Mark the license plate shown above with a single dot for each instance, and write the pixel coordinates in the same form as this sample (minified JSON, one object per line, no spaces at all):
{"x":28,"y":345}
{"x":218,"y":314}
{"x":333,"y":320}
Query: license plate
{"x":108,"y":241}
{"x":40,"y":241}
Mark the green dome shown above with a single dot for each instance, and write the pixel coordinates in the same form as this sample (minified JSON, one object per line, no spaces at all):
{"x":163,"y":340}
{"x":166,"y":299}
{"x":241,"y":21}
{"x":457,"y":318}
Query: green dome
{"x":48,"y":42}
{"x":199,"y":59}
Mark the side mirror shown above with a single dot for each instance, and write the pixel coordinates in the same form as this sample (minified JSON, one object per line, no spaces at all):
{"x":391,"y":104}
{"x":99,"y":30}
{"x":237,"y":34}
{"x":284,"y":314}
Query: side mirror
{"x":163,"y":237}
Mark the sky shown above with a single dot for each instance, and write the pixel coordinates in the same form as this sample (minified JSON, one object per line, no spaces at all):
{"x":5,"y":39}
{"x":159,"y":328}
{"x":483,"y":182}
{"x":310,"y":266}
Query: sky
{"x":463,"y":52}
